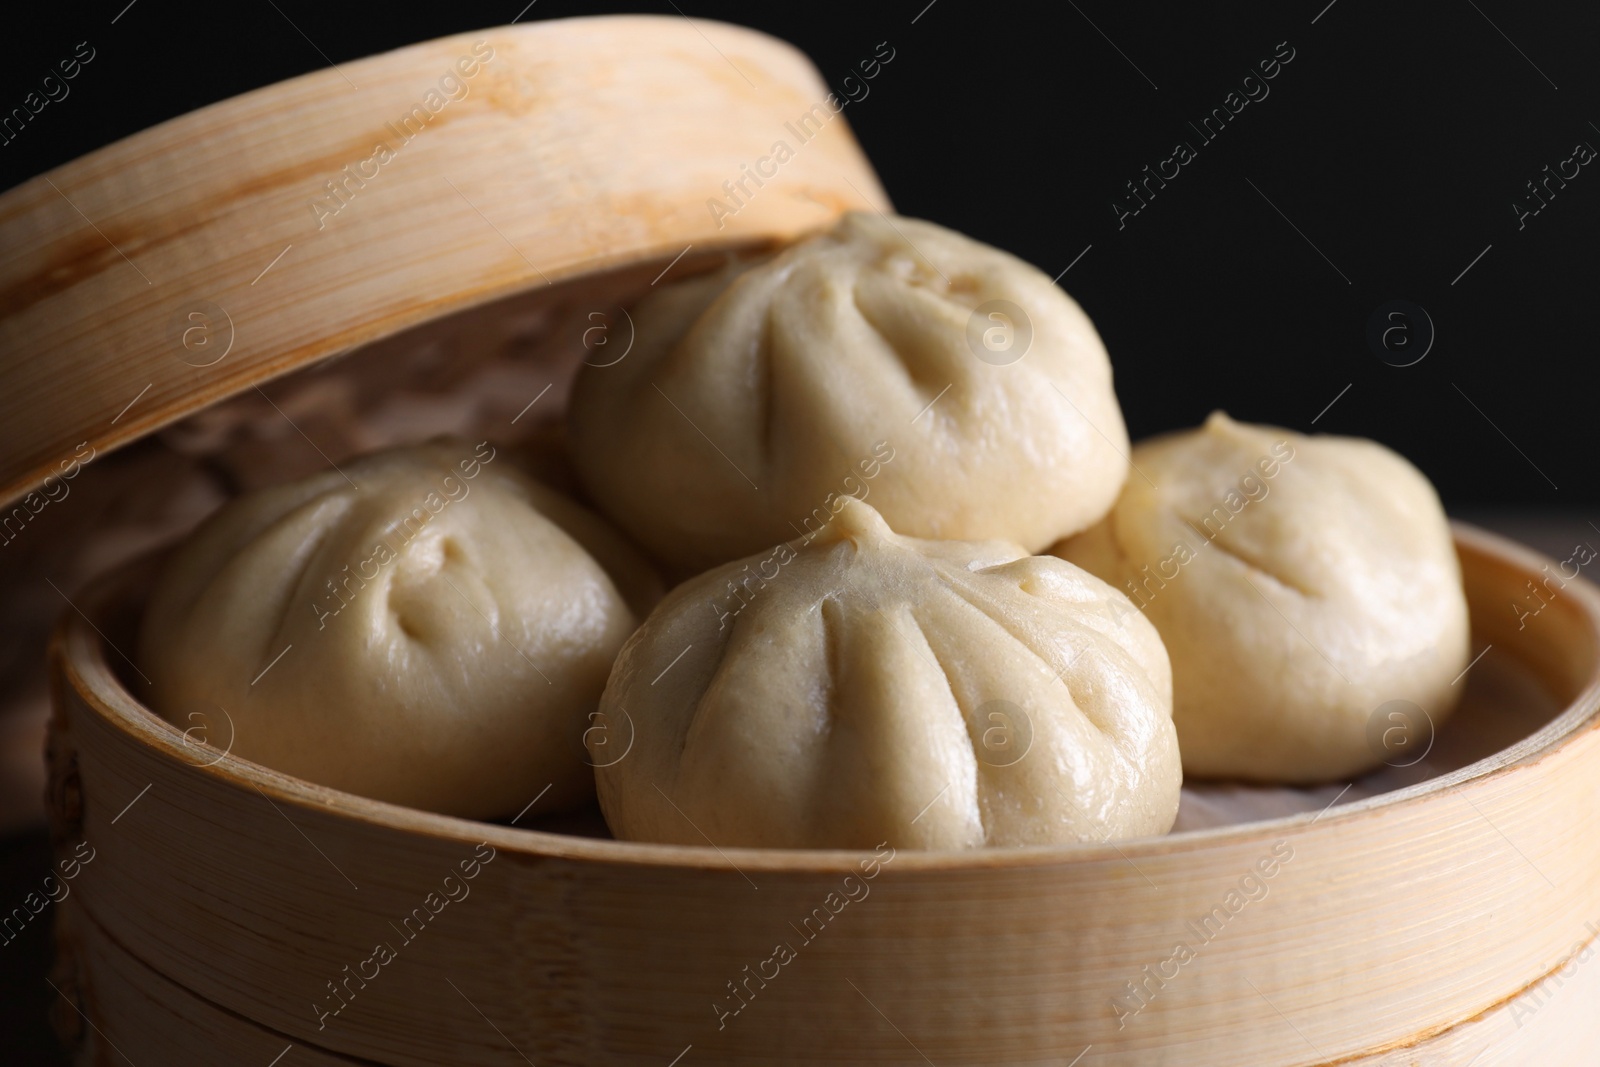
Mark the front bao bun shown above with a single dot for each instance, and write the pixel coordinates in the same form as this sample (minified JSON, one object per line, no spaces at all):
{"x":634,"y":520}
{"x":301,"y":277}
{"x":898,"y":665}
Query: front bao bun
{"x":755,"y":397}
{"x":870,"y":688}
{"x":1300,"y":584}
{"x":436,"y":638}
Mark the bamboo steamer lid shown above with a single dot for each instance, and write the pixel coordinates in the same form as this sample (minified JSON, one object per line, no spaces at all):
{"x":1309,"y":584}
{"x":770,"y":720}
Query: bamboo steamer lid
{"x":192,"y":261}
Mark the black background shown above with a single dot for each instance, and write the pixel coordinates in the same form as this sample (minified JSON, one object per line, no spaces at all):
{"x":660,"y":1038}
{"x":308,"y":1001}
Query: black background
{"x":1395,"y":141}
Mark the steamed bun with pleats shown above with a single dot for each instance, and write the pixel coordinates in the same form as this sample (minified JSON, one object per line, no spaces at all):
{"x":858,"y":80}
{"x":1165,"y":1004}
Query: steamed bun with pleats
{"x":1301,"y":584}
{"x":857,"y":686}
{"x":756,"y":397}
{"x":426,"y":626}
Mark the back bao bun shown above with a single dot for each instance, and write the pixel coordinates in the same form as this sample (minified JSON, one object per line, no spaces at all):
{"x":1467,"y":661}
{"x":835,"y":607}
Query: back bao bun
{"x":1301,"y":585}
{"x":876,"y":688}
{"x":756,"y":397}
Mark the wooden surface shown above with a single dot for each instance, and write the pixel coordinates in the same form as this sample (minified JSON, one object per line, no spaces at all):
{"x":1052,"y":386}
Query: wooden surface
{"x":1407,"y":928}
{"x":581,"y":145}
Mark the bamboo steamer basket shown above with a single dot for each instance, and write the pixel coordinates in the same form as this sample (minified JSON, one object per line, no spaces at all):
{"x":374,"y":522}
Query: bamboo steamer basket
{"x":1429,"y":925}
{"x":228,"y":909}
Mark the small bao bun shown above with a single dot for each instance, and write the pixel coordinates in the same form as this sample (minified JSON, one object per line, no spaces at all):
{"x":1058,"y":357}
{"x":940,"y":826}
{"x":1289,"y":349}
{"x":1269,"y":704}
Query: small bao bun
{"x":427,"y":626}
{"x":858,"y":687}
{"x":754,"y":397}
{"x":1300,"y":584}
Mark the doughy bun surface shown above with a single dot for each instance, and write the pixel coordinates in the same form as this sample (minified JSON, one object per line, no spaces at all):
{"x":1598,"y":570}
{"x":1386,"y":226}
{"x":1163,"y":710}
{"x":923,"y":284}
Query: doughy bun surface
{"x":1299,"y":583}
{"x":427,"y":626}
{"x":865,"y":687}
{"x":950,"y":383}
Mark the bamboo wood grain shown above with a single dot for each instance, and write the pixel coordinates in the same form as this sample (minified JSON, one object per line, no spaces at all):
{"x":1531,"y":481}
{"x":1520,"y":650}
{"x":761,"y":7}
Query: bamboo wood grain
{"x":157,"y":1021}
{"x":1407,"y":929}
{"x":581,"y":145}
{"x":142,"y":1018}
